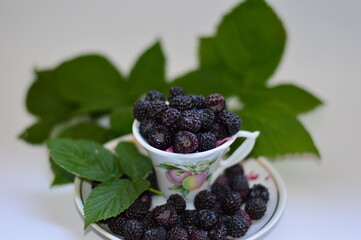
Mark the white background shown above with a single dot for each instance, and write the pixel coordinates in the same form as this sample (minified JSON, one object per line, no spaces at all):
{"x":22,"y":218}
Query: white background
{"x":323,"y":54}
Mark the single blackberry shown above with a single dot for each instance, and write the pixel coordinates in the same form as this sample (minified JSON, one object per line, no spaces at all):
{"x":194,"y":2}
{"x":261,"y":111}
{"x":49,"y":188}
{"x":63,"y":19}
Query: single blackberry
{"x":181,"y":103}
{"x":140,"y":110}
{"x":178,"y":202}
{"x":222,"y":179}
{"x":154,"y":95}
{"x":234,"y":170}
{"x":220,"y":190}
{"x":152,"y":178}
{"x":208,"y":118}
{"x":256,"y":208}
{"x":165,"y":216}
{"x":245,"y":215}
{"x":117,"y":225}
{"x":177,"y":233}
{"x":207,"y":219}
{"x":238,"y":226}
{"x":259,"y":191}
{"x":198,"y":235}
{"x":170,"y":117}
{"x":133,"y":230}
{"x":220,"y":131}
{"x":190,"y":229}
{"x":219,"y":232}
{"x":185,"y":142}
{"x":198,"y":101}
{"x":136,"y":211}
{"x":239,"y":183}
{"x":231,"y":121}
{"x":206,"y":141}
{"x":145,"y":198}
{"x":190,"y":120}
{"x":147,"y":125}
{"x":155,"y":234}
{"x":148,"y":221}
{"x":216,"y":102}
{"x":204,"y":200}
{"x":175,"y":91}
{"x":232,"y":203}
{"x":225,"y":219}
{"x":95,"y":184}
{"x":190,"y":217}
{"x":160,"y":137}
{"x":156,"y":108}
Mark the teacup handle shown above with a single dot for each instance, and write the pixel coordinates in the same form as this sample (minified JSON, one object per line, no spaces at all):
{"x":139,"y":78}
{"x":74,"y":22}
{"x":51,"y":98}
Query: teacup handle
{"x":238,"y":155}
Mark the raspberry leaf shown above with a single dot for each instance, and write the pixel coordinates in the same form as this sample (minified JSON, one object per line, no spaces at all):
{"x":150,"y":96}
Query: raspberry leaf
{"x":61,"y":176}
{"x":121,"y":120}
{"x":111,"y":198}
{"x":38,"y":132}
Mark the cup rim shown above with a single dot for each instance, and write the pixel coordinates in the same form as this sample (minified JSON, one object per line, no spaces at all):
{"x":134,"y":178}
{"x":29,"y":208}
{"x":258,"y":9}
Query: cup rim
{"x":146,"y":145}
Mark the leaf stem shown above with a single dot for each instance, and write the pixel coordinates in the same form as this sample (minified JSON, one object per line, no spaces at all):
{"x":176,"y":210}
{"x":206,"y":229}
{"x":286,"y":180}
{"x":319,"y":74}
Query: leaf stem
{"x":155,"y":191}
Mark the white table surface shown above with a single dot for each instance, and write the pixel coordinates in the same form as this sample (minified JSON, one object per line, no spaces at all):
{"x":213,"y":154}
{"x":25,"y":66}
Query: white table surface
{"x":323,"y":55}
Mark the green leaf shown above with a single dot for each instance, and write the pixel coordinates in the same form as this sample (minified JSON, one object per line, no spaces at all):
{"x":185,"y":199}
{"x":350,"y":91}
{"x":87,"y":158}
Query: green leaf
{"x":281,"y":132}
{"x":91,"y":80}
{"x":251,"y":40}
{"x":208,"y":52}
{"x":61,"y":176}
{"x":38,"y":132}
{"x":134,"y":164}
{"x":111,"y":198}
{"x":294,"y":99}
{"x":148,"y":73}
{"x":87,"y":130}
{"x":121,"y":120}
{"x":84,"y":158}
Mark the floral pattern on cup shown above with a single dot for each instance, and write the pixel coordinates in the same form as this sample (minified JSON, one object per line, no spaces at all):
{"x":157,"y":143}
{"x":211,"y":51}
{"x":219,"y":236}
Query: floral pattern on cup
{"x":187,"y":176}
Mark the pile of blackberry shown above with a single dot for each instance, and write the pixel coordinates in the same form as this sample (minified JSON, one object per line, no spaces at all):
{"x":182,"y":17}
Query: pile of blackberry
{"x":227,"y":210}
{"x":189,"y":123}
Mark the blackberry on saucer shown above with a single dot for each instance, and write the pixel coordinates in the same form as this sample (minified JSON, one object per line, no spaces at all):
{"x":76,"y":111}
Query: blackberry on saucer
{"x":259,"y":191}
{"x":198,"y":235}
{"x":155,"y":234}
{"x":238,"y":226}
{"x":219,"y":232}
{"x":234,"y":170}
{"x":255,"y":208}
{"x":133,"y":230}
{"x":204,"y":200}
{"x":207,"y":219}
{"x":165,"y":216}
{"x":177,"y":233}
{"x":232,"y":203}
{"x":190,"y":217}
{"x":178,"y":202}
{"x":239,"y":183}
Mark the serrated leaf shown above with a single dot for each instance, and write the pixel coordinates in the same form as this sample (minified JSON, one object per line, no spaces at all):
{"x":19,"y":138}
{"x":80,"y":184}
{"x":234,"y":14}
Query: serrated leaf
{"x":134,"y":164}
{"x":294,"y":99}
{"x":84,"y":158}
{"x":121,"y":120}
{"x":251,"y":40}
{"x":38,"y":132}
{"x":148,"y":73}
{"x":61,"y":176}
{"x":281,"y":132}
{"x":208,"y":52}
{"x":111,"y":198}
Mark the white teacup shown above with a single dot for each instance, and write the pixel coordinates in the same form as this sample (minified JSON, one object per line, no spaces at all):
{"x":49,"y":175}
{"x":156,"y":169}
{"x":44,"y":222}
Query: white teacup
{"x":188,"y":174}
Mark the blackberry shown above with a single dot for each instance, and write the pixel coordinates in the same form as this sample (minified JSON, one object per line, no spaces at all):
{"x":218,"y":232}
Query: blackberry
{"x":238,"y":226}
{"x":133,"y":230}
{"x":225,"y":219}
{"x":95,"y":184}
{"x":216,"y":102}
{"x":198,"y":101}
{"x":156,"y":108}
{"x":218,"y":209}
{"x":185,"y":142}
{"x":148,"y":222}
{"x":259,"y":191}
{"x":222,"y":179}
{"x":207,"y":219}
{"x":232,"y":203}
{"x":160,"y":137}
{"x":256,"y":208}
{"x":190,"y":217}
{"x":204,"y":200}
{"x":219,"y":232}
{"x":239,"y":183}
{"x":177,"y":233}
{"x":145,"y":198}
{"x":140,"y":110}
{"x":245,"y":215}
{"x":220,"y":131}
{"x":155,"y":234}
{"x":220,"y":191}
{"x":206,"y":141}
{"x":147,"y":125}
{"x":190,"y":120}
{"x":198,"y":235}
{"x":208,"y":118}
{"x":231,"y":121}
{"x":165,"y":216}
{"x":170,"y":117}
{"x":181,"y":103}
{"x":190,"y":229}
{"x":178,"y":202}
{"x":154,"y":95}
{"x":136,"y":211}
{"x":175,"y":91}
{"x":234,"y":170}
{"x":117,"y":225}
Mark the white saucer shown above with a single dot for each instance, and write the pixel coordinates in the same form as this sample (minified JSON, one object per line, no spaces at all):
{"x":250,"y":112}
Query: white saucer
{"x":267,"y":176}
